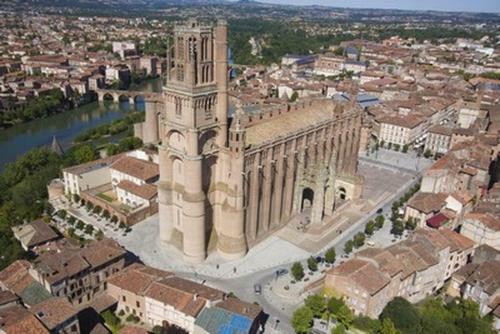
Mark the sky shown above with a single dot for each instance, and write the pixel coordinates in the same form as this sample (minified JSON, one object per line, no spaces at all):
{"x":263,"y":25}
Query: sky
{"x":443,"y":5}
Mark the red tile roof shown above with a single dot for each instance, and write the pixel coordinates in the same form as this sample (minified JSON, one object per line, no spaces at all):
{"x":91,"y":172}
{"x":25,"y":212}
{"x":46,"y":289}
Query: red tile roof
{"x":437,"y":220}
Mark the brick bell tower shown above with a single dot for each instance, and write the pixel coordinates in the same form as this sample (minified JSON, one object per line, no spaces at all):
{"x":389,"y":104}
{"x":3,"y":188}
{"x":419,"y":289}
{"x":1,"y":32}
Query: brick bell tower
{"x":194,"y":130}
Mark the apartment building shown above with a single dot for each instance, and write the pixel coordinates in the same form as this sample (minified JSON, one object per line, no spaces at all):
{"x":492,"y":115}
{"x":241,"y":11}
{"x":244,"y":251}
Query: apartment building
{"x":413,"y":269}
{"x":79,"y":274}
{"x":401,"y":130}
{"x":159,"y":298}
{"x":438,"y":139}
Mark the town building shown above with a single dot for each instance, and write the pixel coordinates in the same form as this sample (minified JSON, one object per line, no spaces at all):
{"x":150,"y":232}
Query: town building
{"x":159,"y":298}
{"x":36,"y":233}
{"x":413,"y":269}
{"x":79,"y":274}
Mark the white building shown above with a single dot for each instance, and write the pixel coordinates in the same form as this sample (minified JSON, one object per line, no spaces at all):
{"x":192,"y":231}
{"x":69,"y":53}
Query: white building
{"x":88,"y":175}
{"x":482,"y":228}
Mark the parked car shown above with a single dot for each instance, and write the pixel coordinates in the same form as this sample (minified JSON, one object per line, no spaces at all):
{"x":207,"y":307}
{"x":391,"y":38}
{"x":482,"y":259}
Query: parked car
{"x":257,"y":288}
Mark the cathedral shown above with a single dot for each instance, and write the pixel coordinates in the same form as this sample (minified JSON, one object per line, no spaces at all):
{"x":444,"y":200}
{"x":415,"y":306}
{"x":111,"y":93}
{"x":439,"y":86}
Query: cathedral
{"x":229,"y":181}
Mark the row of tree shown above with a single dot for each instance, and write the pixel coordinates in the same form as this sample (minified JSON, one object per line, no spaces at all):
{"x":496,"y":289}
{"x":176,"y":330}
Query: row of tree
{"x":399,"y":225}
{"x":40,"y":107}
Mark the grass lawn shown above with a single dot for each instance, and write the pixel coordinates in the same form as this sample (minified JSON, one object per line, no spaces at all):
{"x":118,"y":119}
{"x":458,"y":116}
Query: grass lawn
{"x":105,"y":197}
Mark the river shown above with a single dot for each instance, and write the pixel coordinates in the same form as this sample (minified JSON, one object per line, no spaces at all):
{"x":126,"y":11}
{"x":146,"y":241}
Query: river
{"x":17,"y":140}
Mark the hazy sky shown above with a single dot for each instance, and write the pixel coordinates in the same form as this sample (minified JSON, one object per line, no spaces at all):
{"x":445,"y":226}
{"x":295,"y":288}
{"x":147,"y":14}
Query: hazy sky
{"x":447,"y":5}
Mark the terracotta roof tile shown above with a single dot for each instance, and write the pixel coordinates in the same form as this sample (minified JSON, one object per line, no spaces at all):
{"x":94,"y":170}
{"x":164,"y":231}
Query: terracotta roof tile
{"x":141,"y":169}
{"x":54,"y":312}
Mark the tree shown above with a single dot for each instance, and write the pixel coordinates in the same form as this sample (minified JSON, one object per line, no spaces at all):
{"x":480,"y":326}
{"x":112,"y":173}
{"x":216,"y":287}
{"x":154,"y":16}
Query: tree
{"x":405,"y":148}
{"x":89,"y":229}
{"x":97,"y":209}
{"x":370,"y":227}
{"x":403,"y":314}
{"x":379,"y":221}
{"x":76,"y":198}
{"x":387,"y":327}
{"x":359,"y":239}
{"x":330,"y":255}
{"x":349,"y":245}
{"x":344,"y":315}
{"x":83,"y":153}
{"x":62,"y":214}
{"x":99,"y":235}
{"x":294,"y":97}
{"x":80,"y":225}
{"x":114,"y":219}
{"x":428,"y":153}
{"x":411,"y":224}
{"x":71,"y":220}
{"x":317,"y":305}
{"x":312,"y":264}
{"x":302,"y":320}
{"x":397,"y":228}
{"x":71,"y":233}
{"x":339,"y":329}
{"x":334,"y":305}
{"x":397,"y":147}
{"x":105,"y":214}
{"x":297,"y":271}
{"x":89,"y":206}
{"x":366,"y":324}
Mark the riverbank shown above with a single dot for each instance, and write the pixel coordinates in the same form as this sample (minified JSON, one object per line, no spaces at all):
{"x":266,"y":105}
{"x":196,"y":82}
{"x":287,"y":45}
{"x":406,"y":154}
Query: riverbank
{"x":19,"y":139}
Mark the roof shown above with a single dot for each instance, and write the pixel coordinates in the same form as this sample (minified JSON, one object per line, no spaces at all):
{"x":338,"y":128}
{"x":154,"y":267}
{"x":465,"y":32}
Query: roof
{"x":485,"y":275}
{"x":146,"y":191}
{"x":141,"y":169}
{"x":35,"y":233}
{"x":427,"y":202}
{"x":17,"y":320}
{"x":373,"y":268}
{"x":294,"y":121}
{"x":68,"y":262}
{"x":92,"y":165}
{"x":487,"y":219}
{"x":364,"y":273}
{"x":136,"y":278}
{"x":101,"y":252}
{"x":234,"y":305}
{"x":220,"y":321}
{"x":437,"y":220}
{"x":54,"y":311}
{"x":7,"y":297}
{"x":17,"y":279}
{"x":182,"y":301}
{"x":408,"y":121}
{"x":194,"y":288}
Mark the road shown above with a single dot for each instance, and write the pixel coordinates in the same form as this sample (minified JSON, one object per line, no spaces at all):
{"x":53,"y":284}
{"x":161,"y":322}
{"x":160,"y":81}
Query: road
{"x":243,"y":287}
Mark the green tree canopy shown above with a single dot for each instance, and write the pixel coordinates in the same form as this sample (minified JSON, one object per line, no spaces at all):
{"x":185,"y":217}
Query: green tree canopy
{"x":317,"y":305}
{"x":302,"y":320}
{"x":297,"y":271}
{"x":330,"y":255}
{"x":403,"y":314}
